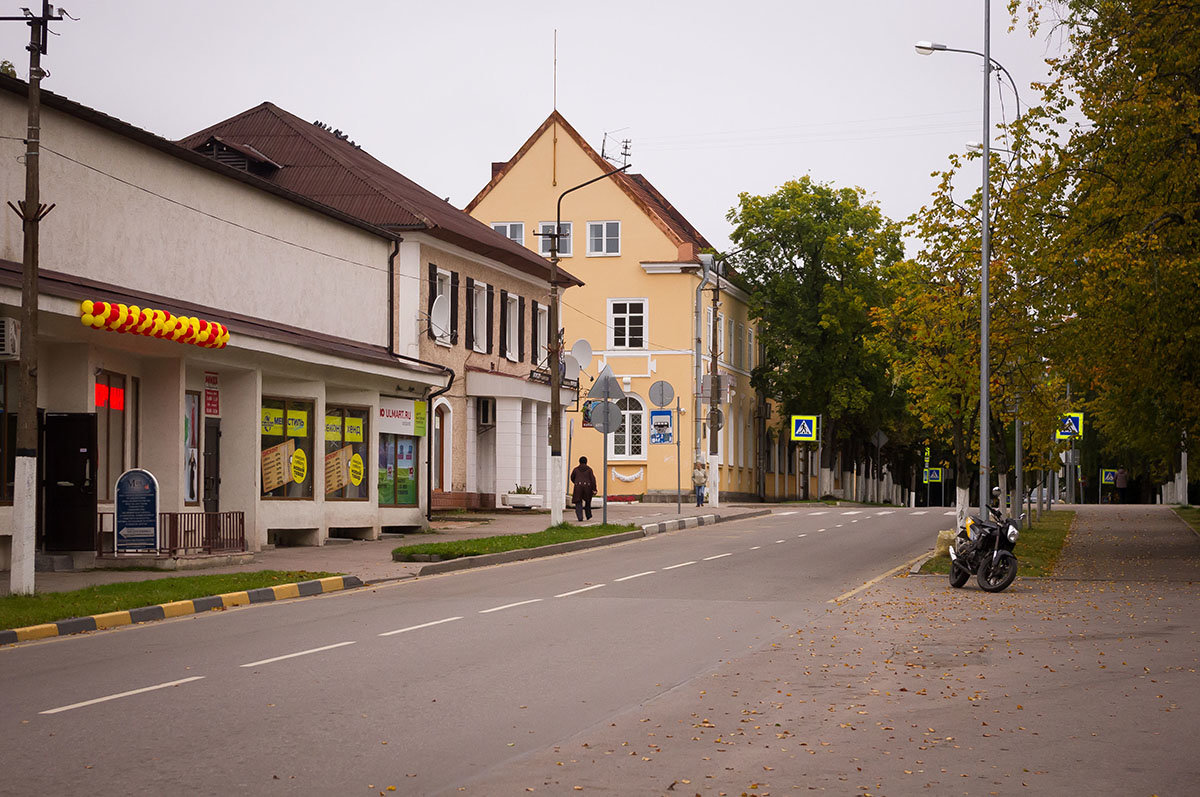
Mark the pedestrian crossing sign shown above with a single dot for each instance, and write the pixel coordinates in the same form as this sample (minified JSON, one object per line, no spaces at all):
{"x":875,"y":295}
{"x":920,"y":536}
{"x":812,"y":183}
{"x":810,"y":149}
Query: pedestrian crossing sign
{"x":933,"y":475}
{"x":804,"y":428}
{"x":1069,"y":426}
{"x":1108,"y":476}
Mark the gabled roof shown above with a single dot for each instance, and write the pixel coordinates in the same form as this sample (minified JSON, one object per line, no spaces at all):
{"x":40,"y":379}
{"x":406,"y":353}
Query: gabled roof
{"x":319,"y":164}
{"x":665,"y":215}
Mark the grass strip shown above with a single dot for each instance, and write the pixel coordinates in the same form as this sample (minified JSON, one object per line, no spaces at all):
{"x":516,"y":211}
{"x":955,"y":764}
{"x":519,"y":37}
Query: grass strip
{"x":18,"y":611}
{"x":1190,"y":515}
{"x":563,"y":532}
{"x":1037,"y":548}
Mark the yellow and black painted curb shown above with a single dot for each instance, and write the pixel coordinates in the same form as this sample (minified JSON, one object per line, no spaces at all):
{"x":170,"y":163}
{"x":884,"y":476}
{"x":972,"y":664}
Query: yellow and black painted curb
{"x":98,"y":622}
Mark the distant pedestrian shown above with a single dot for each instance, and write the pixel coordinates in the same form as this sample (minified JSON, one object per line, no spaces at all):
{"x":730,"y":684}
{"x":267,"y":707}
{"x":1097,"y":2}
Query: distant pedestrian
{"x":1123,"y":485}
{"x":699,"y":480}
{"x":584,"y":481}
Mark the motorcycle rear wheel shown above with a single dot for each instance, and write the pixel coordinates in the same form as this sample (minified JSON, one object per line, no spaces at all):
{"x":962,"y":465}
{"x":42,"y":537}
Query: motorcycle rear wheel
{"x":996,"y":577}
{"x":958,"y":575}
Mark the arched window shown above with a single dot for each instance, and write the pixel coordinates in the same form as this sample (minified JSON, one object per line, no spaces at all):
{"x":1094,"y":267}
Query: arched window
{"x":629,"y":441}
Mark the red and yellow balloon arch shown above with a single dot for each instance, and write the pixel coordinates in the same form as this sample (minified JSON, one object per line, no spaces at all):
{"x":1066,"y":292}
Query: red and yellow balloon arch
{"x":153,"y":323}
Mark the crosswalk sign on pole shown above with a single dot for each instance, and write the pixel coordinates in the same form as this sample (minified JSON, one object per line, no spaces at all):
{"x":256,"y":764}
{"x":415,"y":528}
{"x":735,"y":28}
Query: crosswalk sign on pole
{"x":1069,"y":425}
{"x":1108,"y":476}
{"x":804,"y":428}
{"x":933,"y":475}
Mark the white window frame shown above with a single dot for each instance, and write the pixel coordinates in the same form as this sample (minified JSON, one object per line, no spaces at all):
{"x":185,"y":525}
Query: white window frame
{"x":512,"y":340}
{"x":566,"y":233}
{"x":749,"y":348}
{"x":543,"y":332}
{"x":506,"y":229}
{"x":479,"y":323}
{"x":611,"y":323}
{"x":604,"y":239}
{"x":728,"y":337}
{"x":443,"y":289}
{"x":624,"y":435}
{"x":722,"y":355}
{"x":738,"y":350}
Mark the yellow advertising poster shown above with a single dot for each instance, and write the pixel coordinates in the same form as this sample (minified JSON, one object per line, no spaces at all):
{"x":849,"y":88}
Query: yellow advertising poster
{"x":419,"y":418}
{"x":275,"y":462}
{"x":354,"y":430}
{"x":356,"y":469}
{"x":299,"y":466}
{"x":297,"y":423}
{"x":333,"y":428}
{"x":272,"y":422}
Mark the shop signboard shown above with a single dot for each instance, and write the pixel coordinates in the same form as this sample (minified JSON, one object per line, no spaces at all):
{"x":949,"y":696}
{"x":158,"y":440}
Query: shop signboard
{"x":212,"y":394}
{"x":137,"y":512}
{"x":401,"y":416}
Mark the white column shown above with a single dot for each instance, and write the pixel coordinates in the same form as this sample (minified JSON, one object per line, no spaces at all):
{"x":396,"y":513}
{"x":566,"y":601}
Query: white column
{"x":508,"y":445}
{"x":472,"y":485}
{"x":541,"y":448}
{"x":528,"y":425}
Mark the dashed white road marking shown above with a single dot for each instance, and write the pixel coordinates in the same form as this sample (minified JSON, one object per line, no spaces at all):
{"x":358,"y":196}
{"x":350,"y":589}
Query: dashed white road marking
{"x":636,"y":575}
{"x":298,"y":653}
{"x":886,"y":512}
{"x":791,"y":512}
{"x":681,"y":564}
{"x":508,"y":606}
{"x":822,"y":512}
{"x":922,"y":512}
{"x":950,"y":514}
{"x":119,"y":695}
{"x":422,"y":625}
{"x":779,"y":541}
{"x":718,"y":556}
{"x":577,"y":591}
{"x":838,"y":526}
{"x":853,"y":512}
{"x":798,"y":536}
{"x":755,"y":547}
{"x":820,"y":529}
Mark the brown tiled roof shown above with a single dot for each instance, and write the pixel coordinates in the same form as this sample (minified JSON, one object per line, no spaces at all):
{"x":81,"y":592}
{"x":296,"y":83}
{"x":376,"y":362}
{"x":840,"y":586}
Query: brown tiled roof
{"x":331,"y":170}
{"x":636,"y":186}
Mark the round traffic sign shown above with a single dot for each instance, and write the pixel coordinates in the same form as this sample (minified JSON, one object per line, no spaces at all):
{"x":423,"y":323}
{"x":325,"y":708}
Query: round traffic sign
{"x":716,"y":420}
{"x":606,"y":416}
{"x":661,"y":393}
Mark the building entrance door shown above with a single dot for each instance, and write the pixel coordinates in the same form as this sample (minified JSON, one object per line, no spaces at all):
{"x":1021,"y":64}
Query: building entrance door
{"x":69,"y":481}
{"x":212,"y":465}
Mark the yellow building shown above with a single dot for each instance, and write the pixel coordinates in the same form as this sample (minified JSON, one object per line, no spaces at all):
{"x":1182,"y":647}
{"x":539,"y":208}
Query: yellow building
{"x":645,"y":309}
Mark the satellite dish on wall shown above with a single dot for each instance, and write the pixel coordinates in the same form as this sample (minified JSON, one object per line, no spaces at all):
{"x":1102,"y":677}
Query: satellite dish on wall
{"x":581,"y":350}
{"x":439,"y":317}
{"x":571,"y":367}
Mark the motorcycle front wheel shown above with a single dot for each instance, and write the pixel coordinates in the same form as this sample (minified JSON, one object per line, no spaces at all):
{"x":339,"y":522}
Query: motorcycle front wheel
{"x":996,"y":576}
{"x":958,"y":574}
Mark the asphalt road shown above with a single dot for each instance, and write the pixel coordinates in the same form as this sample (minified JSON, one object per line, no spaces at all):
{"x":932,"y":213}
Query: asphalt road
{"x":426,"y":685}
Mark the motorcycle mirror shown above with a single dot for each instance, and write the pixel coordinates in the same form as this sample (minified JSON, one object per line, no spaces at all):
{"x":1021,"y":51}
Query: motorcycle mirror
{"x":996,"y":491}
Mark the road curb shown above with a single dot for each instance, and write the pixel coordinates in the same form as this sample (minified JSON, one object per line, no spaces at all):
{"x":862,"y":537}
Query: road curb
{"x":488,"y":559}
{"x":96,"y":622}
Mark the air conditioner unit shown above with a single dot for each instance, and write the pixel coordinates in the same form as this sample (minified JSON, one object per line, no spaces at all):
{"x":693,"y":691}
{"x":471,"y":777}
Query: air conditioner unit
{"x":485,"y":412}
{"x":10,"y":338}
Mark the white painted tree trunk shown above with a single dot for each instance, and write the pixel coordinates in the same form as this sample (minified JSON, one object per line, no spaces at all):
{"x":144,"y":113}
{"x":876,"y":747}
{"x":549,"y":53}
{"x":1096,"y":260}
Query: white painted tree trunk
{"x":962,"y":506}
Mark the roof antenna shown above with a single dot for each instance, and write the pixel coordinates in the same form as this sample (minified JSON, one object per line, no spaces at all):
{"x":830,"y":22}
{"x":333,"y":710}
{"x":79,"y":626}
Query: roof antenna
{"x":604,"y":145}
{"x":625,"y":145}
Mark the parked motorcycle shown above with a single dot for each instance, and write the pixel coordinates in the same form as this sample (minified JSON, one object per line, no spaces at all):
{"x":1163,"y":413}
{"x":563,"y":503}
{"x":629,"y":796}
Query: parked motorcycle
{"x":985,"y":548}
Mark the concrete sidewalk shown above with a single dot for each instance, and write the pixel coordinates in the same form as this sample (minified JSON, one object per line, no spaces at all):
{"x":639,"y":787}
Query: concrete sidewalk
{"x":1084,"y":684}
{"x":371,"y":560}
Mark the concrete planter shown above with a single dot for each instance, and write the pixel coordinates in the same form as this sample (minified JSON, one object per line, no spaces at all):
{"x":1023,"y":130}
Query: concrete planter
{"x":521,"y":500}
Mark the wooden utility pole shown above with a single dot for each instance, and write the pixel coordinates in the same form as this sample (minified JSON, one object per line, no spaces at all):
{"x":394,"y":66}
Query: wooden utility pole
{"x":31,"y":212}
{"x":714,"y":394}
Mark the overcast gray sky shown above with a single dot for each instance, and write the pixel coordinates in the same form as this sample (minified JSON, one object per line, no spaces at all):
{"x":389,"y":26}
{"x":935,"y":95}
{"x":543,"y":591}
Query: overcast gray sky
{"x":717,"y":97}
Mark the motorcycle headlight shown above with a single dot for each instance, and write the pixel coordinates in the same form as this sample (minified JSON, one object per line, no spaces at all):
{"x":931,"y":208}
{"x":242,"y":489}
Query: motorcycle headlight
{"x":1013,"y":534}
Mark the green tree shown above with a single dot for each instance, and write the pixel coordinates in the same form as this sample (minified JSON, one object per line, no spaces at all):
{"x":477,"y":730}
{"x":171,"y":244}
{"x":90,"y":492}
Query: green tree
{"x":812,"y":255}
{"x":7,"y":68}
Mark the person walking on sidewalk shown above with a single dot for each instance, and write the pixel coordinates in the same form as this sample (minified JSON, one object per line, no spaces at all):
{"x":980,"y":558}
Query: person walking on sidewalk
{"x":584,"y":482}
{"x":699,"y":480}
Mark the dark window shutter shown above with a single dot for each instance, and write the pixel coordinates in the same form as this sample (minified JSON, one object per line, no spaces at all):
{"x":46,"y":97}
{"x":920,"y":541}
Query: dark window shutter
{"x":490,"y":317}
{"x":432,"y":296}
{"x":454,"y":307}
{"x":520,"y":329}
{"x":503,"y":323}
{"x":533,"y":332}
{"x":470,"y":325}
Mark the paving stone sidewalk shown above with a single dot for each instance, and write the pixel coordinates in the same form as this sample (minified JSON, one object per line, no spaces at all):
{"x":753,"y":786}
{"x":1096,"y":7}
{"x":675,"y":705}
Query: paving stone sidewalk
{"x":1085,"y":684}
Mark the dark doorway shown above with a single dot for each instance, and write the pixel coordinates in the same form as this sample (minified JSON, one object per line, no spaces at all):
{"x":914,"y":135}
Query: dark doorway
{"x":212,"y":465}
{"x":69,"y":481}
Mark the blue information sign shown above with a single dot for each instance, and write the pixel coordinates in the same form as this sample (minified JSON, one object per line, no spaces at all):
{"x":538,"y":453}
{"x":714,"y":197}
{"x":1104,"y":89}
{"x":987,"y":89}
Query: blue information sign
{"x":933,"y":475}
{"x":804,"y":428}
{"x":660,"y":427}
{"x":137,"y":512}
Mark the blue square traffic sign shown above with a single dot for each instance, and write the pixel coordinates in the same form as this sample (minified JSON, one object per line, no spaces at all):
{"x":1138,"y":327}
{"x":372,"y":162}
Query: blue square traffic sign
{"x":804,"y":428}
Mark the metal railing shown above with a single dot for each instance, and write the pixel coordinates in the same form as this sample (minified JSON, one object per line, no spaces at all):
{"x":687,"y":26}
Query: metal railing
{"x":182,"y":533}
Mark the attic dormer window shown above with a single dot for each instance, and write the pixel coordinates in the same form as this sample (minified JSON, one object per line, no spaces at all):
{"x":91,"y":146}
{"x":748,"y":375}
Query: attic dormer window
{"x":241,"y":157}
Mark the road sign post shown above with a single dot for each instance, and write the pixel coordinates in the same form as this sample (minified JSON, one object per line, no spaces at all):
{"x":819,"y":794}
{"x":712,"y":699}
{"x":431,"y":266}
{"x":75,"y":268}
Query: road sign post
{"x":661,"y":393}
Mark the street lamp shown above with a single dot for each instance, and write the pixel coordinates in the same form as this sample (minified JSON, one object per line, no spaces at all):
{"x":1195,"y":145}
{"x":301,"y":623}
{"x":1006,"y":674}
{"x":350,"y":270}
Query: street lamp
{"x":929,"y":48}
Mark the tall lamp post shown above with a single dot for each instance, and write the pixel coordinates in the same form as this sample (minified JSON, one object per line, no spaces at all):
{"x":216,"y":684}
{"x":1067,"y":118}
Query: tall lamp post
{"x":990,"y":64}
{"x":557,"y":488}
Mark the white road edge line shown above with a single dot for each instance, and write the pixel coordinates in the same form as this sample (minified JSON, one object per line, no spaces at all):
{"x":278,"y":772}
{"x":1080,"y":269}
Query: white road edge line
{"x":577,"y":591}
{"x":718,"y":556}
{"x":119,"y":695}
{"x":508,"y":606}
{"x":635,"y":575}
{"x":878,"y":578}
{"x":300,"y":653}
{"x":422,"y":625}
{"x":681,"y":564}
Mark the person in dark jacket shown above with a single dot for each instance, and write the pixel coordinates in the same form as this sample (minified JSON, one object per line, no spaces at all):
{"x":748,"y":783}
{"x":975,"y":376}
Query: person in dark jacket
{"x":584,"y":482}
